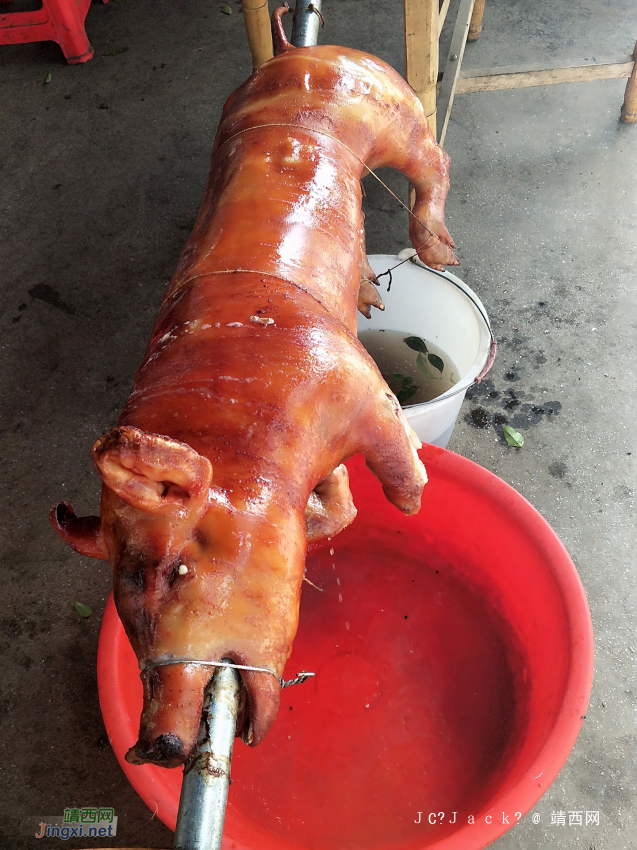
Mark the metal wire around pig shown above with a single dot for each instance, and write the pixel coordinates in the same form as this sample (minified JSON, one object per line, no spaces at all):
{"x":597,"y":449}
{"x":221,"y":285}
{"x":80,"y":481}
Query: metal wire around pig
{"x":285,"y":683}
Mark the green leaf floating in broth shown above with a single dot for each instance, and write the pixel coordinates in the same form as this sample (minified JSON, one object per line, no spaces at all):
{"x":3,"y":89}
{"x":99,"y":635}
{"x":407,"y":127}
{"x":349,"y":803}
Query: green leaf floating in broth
{"x":416,"y":343}
{"x":437,"y":362}
{"x":407,"y":387}
{"x":423,"y":367}
{"x":398,"y":361}
{"x":406,"y":392}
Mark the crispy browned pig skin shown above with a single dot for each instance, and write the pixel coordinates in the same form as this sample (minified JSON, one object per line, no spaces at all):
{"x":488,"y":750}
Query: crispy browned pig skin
{"x":254,"y":388}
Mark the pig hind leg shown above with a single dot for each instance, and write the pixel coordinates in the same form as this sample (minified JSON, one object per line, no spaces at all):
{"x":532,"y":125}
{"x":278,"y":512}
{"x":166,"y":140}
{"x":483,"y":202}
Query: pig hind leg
{"x":368,"y":294}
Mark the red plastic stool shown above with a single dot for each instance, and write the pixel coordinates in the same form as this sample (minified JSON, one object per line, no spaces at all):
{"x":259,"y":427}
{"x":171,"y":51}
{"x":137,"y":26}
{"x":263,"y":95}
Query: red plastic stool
{"x":58,"y":20}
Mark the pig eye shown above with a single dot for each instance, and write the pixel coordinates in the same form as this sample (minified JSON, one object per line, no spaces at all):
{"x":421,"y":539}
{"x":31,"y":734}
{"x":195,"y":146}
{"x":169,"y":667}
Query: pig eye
{"x":174,"y":572}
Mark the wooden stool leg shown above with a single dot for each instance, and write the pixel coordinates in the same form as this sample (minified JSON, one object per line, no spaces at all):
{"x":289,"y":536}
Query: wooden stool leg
{"x":475,"y":27}
{"x":421,"y":53}
{"x":258,"y":30}
{"x":629,"y":109}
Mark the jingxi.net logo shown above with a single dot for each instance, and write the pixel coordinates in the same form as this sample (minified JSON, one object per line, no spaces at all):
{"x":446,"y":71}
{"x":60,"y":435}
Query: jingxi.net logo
{"x":79,"y":823}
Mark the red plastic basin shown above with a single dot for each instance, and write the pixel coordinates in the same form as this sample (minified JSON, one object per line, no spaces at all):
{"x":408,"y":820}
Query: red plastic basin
{"x":454,"y":658}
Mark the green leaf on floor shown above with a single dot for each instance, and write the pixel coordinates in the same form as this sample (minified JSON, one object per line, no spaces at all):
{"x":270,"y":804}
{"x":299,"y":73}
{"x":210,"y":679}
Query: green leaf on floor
{"x":227,"y":10}
{"x":116,"y":51}
{"x":47,"y":78}
{"x":82,"y":609}
{"x":513,"y":437}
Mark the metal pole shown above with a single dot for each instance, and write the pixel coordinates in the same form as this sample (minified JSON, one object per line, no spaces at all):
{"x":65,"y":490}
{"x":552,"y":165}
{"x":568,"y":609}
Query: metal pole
{"x":306,"y":21}
{"x":202,"y":807}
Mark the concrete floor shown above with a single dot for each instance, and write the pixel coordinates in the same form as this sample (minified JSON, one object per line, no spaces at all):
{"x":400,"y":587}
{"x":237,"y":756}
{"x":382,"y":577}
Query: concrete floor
{"x":102,"y":175}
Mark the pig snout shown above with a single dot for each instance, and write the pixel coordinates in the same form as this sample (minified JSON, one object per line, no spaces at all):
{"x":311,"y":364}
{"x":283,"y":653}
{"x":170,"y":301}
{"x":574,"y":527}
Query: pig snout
{"x":173,"y":699}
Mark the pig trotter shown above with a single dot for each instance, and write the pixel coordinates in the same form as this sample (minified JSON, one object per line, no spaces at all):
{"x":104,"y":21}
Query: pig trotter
{"x":368,"y":297}
{"x":330,"y":508}
{"x":393,"y":458}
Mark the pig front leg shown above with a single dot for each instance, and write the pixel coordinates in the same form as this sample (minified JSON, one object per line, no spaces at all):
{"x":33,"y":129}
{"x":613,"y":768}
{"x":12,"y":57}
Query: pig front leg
{"x":391,"y":454}
{"x":378,"y":429}
{"x":330,"y":508}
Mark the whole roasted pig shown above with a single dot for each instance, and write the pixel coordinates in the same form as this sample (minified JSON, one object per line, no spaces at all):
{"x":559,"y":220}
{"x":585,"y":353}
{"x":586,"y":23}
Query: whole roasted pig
{"x":254,"y":389}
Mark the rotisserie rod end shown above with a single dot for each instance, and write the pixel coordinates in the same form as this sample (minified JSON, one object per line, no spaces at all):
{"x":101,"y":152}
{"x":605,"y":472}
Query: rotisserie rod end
{"x":202,"y":806}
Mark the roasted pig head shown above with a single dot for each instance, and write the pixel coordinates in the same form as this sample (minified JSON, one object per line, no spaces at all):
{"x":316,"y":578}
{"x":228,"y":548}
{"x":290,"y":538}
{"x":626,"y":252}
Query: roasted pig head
{"x":254,"y":389}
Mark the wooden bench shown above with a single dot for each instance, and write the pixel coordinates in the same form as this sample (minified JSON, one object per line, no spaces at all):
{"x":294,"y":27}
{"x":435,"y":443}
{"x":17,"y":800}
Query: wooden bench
{"x":423,"y":22}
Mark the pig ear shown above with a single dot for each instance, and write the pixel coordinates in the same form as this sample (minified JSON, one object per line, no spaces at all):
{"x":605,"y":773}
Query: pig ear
{"x":81,"y":533}
{"x":153,"y":473}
